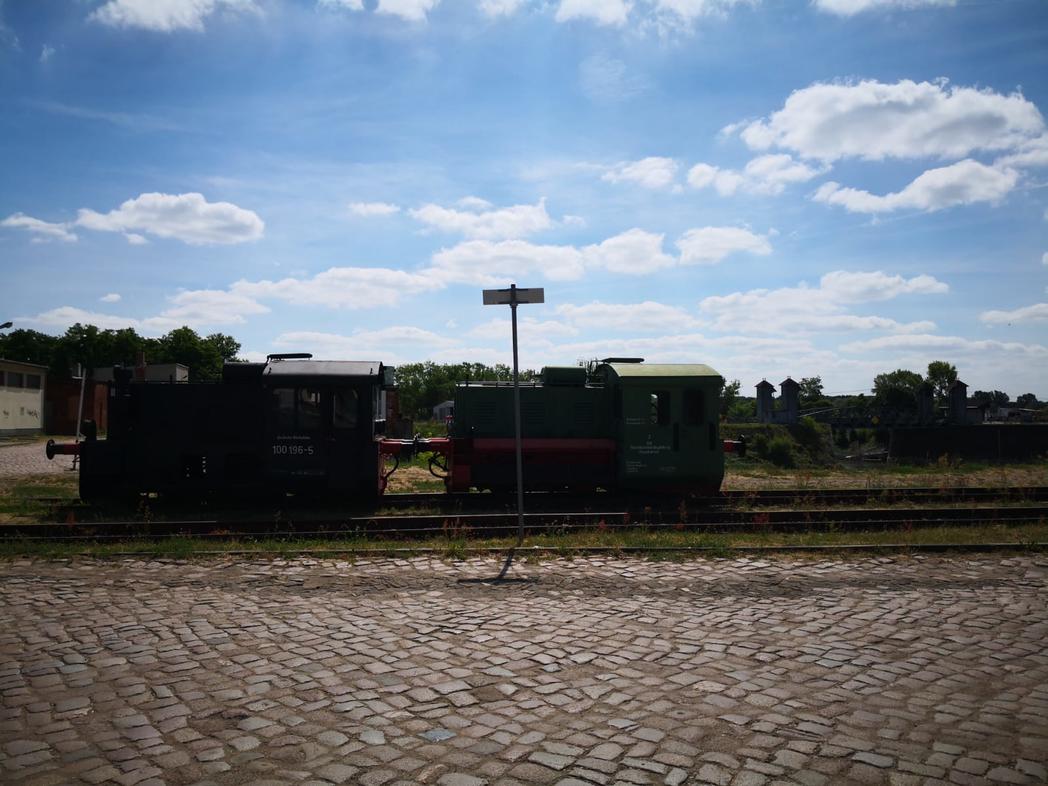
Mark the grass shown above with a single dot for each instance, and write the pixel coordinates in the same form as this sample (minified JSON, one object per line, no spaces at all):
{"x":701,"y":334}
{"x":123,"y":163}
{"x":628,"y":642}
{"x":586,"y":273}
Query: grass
{"x":16,"y":505}
{"x":555,"y":544}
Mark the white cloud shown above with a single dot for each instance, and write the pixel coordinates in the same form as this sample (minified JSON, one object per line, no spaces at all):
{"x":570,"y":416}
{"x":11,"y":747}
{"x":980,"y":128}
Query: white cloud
{"x":46,"y":53}
{"x":1038,"y":312}
{"x":710,"y":245}
{"x":852,"y":7}
{"x":479,"y":222}
{"x":804,"y":309}
{"x":603,"y":12}
{"x":410,"y":10}
{"x":391,"y":345}
{"x":494,"y":8}
{"x":341,"y":287}
{"x":135,"y":239}
{"x":767,"y":174}
{"x":348,"y":5}
{"x":1033,"y":153}
{"x":925,"y":342}
{"x":42,"y":230}
{"x":874,"y":120}
{"x":534,"y":329}
{"x":186,"y":217}
{"x":64,"y":316}
{"x":963,"y":183}
{"x":488,"y":263}
{"x":112,"y":297}
{"x":607,"y":79}
{"x":164,"y":15}
{"x":633,"y":252}
{"x":199,"y":307}
{"x":373,"y":208}
{"x":646,"y":316}
{"x":1044,"y":258}
{"x":652,"y":172}
{"x":690,"y":10}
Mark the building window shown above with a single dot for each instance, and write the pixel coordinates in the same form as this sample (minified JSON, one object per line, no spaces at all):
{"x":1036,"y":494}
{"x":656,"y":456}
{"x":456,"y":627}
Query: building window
{"x":660,"y":408}
{"x":32,"y":381}
{"x":15,"y":379}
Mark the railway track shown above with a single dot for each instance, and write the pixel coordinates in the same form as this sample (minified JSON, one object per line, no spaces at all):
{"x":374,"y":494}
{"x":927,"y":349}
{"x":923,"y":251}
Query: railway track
{"x":440,"y":502}
{"x":474,"y":525}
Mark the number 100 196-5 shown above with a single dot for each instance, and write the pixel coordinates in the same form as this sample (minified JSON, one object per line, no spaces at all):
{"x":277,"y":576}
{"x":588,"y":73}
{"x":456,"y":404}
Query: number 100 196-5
{"x":292,"y":450}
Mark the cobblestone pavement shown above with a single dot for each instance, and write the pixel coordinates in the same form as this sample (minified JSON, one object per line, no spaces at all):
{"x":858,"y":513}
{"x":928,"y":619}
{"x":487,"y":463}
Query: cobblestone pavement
{"x":30,"y":459}
{"x":595,"y":672}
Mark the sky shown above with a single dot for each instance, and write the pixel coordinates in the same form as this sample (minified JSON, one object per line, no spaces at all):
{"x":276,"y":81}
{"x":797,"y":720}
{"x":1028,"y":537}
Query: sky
{"x":772,"y":187}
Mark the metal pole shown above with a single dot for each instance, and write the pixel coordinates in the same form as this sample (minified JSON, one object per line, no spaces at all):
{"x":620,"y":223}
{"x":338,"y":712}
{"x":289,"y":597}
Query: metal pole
{"x":80,"y":408}
{"x":519,"y":449}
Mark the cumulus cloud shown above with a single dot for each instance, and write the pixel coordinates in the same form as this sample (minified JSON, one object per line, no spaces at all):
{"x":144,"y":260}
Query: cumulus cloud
{"x":710,"y":245}
{"x":488,"y":263}
{"x":186,"y":217}
{"x":205,"y":307}
{"x":633,"y":252}
{"x":165,"y":16}
{"x":852,"y":7}
{"x":112,"y":297}
{"x":685,"y":12}
{"x":64,"y":316}
{"x":603,"y":12}
{"x":1038,"y":312}
{"x":341,"y":287}
{"x":646,"y":316}
{"x":395,"y":344}
{"x":926,"y":342}
{"x":1033,"y":153}
{"x":409,"y":10}
{"x":41,"y":230}
{"x":534,"y":329}
{"x":963,"y":183}
{"x":368,"y":209}
{"x":46,"y":53}
{"x":874,"y":120}
{"x":478,"y":221}
{"x":806,"y":309}
{"x":652,"y":172}
{"x":495,"y":8}
{"x":767,"y":174}
{"x":348,"y":5}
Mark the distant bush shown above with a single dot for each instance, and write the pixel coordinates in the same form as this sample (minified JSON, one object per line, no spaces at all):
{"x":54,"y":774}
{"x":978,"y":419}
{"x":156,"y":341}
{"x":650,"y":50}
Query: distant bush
{"x":779,"y":452}
{"x":760,"y":444}
{"x":841,"y":439}
{"x":806,"y":432}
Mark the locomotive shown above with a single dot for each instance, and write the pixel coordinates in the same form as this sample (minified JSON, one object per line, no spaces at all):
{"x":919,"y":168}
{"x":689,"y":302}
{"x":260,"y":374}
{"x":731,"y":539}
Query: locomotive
{"x":308,"y":427}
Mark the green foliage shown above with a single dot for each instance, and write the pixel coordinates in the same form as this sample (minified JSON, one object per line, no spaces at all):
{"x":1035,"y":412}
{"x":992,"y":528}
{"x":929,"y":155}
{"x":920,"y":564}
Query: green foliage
{"x":95,"y":348}
{"x":742,"y":409}
{"x":780,"y":452}
{"x":993,"y":399}
{"x":729,"y":394}
{"x":1029,"y":401}
{"x":810,"y":390}
{"x":897,"y":390}
{"x":840,"y":439}
{"x":940,"y":376}
{"x":806,"y":432}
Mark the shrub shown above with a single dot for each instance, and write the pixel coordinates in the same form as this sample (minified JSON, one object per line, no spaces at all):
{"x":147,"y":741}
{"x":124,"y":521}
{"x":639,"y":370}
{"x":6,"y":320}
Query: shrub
{"x":780,"y":453}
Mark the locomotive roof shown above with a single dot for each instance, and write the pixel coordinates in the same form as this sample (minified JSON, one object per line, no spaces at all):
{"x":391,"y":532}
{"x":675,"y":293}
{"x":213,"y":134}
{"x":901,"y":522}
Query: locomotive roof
{"x":323,"y":368}
{"x":662,"y":370}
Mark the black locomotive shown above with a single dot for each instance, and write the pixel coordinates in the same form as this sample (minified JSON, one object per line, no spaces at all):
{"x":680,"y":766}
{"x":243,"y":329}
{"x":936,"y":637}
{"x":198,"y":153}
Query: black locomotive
{"x":290,"y":424}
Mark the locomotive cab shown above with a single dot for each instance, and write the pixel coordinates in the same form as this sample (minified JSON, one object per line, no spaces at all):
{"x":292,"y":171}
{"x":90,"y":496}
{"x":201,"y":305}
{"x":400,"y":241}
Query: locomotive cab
{"x":321,"y":419}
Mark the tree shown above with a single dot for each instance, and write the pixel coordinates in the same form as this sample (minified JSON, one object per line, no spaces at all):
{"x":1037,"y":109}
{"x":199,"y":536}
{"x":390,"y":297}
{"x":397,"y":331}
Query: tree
{"x":940,"y":376}
{"x":1028,"y":401}
{"x":729,"y":393}
{"x":993,"y":399}
{"x":897,"y":390}
{"x":810,"y":390}
{"x":28,"y":346}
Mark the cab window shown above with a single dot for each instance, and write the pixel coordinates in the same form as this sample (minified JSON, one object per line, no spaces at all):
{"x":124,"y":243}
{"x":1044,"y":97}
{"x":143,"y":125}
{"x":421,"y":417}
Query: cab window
{"x":659,"y":407}
{"x":344,"y":414}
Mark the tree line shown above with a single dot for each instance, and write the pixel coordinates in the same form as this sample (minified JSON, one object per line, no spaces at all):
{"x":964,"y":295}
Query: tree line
{"x":93,"y":348}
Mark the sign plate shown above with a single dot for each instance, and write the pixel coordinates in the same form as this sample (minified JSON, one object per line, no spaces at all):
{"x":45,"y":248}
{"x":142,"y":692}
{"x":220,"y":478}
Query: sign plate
{"x":504,"y":297}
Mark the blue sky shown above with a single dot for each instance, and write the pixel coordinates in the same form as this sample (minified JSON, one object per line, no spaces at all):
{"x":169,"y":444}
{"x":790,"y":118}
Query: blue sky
{"x":773,"y":187}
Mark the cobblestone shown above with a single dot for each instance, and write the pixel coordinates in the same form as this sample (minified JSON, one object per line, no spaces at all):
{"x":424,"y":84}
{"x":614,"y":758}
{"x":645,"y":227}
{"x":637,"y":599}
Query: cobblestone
{"x":388,"y":672}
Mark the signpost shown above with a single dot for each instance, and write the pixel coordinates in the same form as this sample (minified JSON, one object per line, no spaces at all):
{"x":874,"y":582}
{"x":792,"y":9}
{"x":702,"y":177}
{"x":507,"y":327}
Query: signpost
{"x":513,"y":297}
